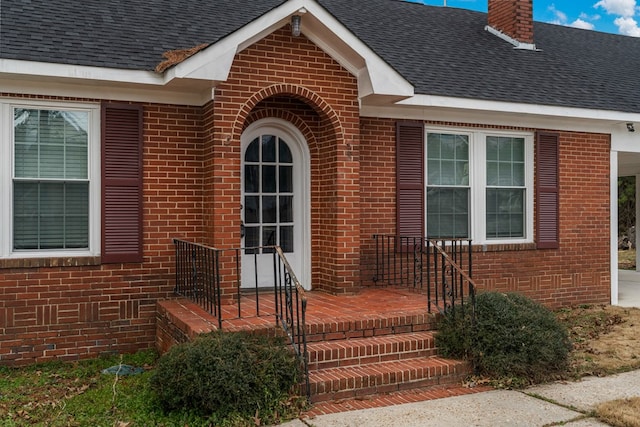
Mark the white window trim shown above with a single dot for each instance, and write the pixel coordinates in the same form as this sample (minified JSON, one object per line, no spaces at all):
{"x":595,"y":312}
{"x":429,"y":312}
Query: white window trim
{"x":477,"y":178}
{"x":6,"y":178}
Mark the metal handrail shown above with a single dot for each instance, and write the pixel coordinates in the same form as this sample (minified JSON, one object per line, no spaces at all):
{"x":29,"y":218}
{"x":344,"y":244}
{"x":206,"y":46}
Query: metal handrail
{"x":441,"y":268}
{"x":198,"y":278}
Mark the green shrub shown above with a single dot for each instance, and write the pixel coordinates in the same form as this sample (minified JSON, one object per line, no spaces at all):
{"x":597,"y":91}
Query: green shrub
{"x":226,"y":374}
{"x":513,"y":337}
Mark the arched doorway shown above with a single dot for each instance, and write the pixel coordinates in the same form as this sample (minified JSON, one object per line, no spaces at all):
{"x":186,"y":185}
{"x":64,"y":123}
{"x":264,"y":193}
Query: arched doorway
{"x":275,"y":201}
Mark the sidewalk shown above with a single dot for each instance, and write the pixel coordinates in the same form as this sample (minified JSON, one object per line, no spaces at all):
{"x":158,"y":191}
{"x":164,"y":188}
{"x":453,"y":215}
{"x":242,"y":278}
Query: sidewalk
{"x":566,"y":403}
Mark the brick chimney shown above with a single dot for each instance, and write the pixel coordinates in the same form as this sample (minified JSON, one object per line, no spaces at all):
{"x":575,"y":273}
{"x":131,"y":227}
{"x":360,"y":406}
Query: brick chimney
{"x":514,"y":19}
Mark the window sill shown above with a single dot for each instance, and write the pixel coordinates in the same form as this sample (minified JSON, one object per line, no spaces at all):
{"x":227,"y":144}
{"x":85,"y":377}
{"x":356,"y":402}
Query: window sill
{"x":504,"y":247}
{"x":70,"y":261}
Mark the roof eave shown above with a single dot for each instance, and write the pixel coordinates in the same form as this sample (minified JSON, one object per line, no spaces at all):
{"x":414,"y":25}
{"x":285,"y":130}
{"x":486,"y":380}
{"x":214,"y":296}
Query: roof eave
{"x":375,"y":76}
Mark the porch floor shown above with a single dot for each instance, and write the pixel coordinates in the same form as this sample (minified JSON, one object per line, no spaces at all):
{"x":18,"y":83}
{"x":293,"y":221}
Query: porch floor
{"x":323,"y":308}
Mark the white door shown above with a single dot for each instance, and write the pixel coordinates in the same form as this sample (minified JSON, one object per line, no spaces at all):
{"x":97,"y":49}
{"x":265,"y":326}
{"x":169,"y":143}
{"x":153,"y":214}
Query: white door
{"x":274,"y":201}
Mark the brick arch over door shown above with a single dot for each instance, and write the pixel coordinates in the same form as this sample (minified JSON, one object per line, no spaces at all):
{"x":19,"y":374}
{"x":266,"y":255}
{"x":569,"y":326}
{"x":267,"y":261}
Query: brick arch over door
{"x":325,"y":137}
{"x":288,"y":116}
{"x":321,"y":107}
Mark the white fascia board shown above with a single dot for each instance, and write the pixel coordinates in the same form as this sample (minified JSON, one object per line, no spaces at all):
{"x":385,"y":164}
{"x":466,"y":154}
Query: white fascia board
{"x":442,"y":108}
{"x":46,"y":69}
{"x":198,"y":94}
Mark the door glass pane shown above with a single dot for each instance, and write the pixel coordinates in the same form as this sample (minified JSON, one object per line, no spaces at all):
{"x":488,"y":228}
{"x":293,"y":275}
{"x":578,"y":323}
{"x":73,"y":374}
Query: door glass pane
{"x":286,"y":209}
{"x":251,"y":178}
{"x":286,"y":238}
{"x":286,"y":179}
{"x":269,"y":209}
{"x":269,"y":238}
{"x":268,"y":148}
{"x":284,"y":153}
{"x":252,"y":209}
{"x":253,"y":152}
{"x":269,"y":179}
{"x":251,"y":239}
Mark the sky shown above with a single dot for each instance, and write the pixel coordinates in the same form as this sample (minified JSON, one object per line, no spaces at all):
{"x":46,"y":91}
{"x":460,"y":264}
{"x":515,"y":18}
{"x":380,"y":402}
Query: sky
{"x":610,"y":16}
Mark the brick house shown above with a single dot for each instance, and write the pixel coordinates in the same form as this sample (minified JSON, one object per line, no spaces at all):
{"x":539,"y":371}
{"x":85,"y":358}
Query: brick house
{"x":309,"y":124}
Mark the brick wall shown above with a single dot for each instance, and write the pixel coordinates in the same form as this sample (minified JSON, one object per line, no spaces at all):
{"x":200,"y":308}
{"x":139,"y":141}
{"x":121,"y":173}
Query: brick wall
{"x":290,"y":77}
{"x":73,"y":308}
{"x":577,"y":272}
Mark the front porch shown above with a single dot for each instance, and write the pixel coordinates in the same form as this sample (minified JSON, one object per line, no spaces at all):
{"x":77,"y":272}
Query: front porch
{"x":376,"y":343}
{"x":371,"y":349}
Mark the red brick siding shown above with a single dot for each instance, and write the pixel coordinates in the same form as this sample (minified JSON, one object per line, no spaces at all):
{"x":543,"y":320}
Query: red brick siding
{"x":577,"y":272}
{"x":70,"y":312}
{"x":580,"y":270}
{"x":280,"y":72}
{"x":512,"y":17}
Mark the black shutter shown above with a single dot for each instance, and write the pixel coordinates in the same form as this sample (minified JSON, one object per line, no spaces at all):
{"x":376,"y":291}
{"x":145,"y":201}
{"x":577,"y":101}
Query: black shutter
{"x":410,"y":179}
{"x":121,"y":183}
{"x":547,"y":194}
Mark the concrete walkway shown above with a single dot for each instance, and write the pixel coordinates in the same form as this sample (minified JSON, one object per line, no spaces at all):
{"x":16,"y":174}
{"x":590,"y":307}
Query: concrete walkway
{"x":560,"y":403}
{"x":628,"y":288}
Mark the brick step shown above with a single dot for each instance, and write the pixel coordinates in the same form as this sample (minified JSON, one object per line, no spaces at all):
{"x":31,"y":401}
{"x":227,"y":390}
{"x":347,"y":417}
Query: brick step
{"x":390,"y":399}
{"x":385,"y":377}
{"x":362,"y":351}
{"x":370,"y":326}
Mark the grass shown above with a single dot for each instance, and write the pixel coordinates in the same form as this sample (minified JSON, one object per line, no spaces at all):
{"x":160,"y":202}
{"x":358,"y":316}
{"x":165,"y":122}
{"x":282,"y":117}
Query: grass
{"x":627,"y":259}
{"x":620,"y":413}
{"x":78,"y":394}
{"x":605,"y":341}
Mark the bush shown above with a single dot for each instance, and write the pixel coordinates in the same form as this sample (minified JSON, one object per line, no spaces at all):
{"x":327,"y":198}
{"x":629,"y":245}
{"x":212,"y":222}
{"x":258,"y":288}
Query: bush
{"x":513,"y":337}
{"x":226,"y":374}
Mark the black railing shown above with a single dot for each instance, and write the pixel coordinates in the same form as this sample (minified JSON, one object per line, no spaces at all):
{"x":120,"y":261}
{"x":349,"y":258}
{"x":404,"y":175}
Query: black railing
{"x":440,"y":268}
{"x":209,"y":277}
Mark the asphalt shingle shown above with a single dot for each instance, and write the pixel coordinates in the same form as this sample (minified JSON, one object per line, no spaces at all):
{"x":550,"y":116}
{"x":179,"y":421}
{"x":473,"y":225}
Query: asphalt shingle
{"x":441,"y":51}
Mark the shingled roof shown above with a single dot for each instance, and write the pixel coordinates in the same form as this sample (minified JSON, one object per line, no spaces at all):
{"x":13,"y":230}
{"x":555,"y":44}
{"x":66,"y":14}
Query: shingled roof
{"x":125,"y":34}
{"x":441,"y":51}
{"x":446,"y":51}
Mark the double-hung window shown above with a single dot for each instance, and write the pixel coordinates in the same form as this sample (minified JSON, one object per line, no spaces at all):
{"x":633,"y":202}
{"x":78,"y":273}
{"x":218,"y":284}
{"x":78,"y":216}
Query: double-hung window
{"x":479,"y":185}
{"x":50,"y":208}
{"x":506,"y":189}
